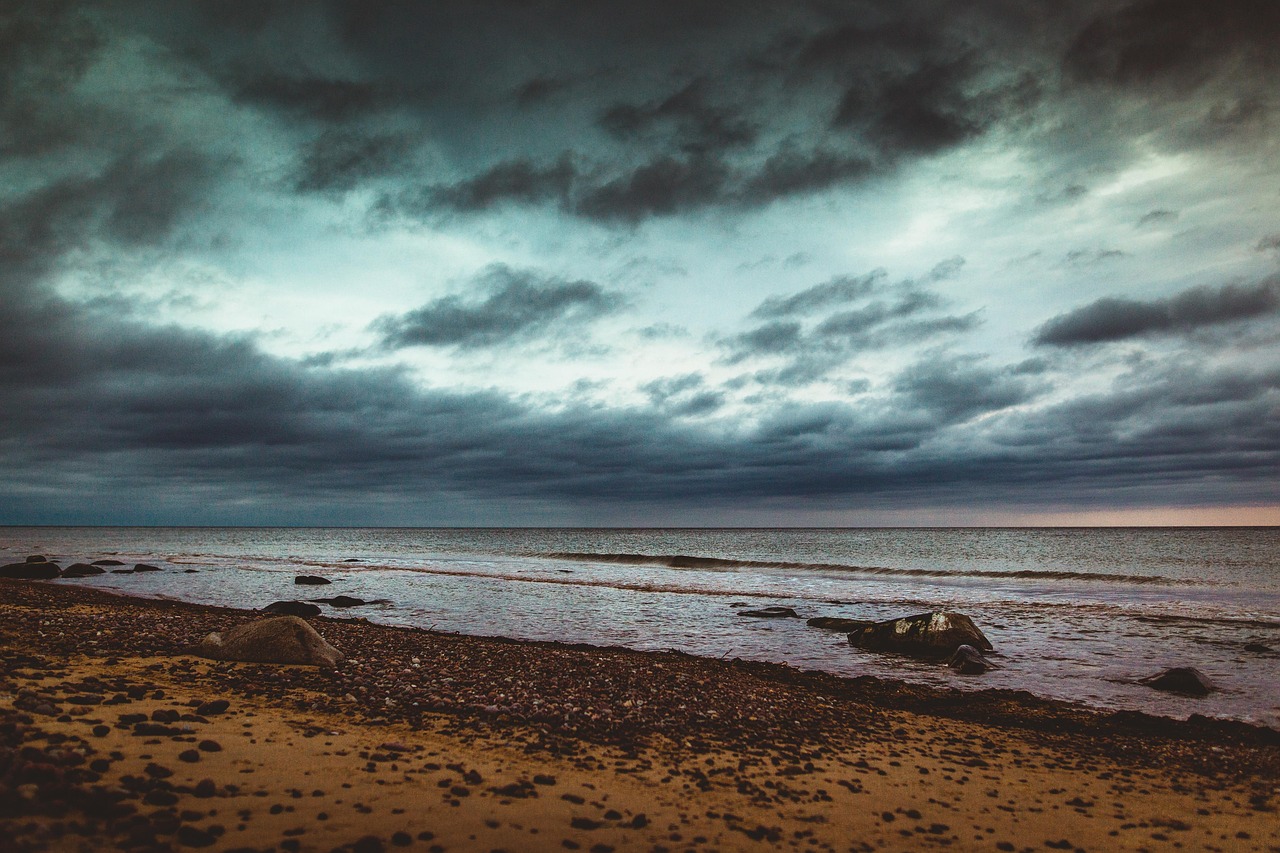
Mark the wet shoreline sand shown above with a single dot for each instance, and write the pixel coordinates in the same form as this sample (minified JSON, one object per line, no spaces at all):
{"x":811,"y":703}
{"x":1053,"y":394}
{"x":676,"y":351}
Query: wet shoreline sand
{"x":430,"y":741}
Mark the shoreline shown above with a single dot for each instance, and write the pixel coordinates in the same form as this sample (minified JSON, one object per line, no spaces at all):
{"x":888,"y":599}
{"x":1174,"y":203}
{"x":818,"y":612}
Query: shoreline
{"x":624,"y":720}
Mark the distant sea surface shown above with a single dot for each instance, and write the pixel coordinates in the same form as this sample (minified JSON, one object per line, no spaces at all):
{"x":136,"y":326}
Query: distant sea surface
{"x":1074,"y":613}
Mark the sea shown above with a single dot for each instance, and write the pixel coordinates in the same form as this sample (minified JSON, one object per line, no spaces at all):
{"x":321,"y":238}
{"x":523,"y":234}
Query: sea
{"x":1079,"y":614}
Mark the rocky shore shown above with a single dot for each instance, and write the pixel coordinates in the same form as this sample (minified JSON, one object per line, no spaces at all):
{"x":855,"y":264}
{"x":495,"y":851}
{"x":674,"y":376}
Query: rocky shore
{"x":113,"y":735}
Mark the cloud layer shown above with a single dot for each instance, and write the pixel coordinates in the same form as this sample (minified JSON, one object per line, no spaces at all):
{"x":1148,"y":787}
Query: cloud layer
{"x":570,"y":262}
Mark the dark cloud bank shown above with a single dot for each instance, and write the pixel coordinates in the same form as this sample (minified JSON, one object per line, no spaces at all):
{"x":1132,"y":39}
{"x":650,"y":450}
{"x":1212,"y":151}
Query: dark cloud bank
{"x":111,"y":418}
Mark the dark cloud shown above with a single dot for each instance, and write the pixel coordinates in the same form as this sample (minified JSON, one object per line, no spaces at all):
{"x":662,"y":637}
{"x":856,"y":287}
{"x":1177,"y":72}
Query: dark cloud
{"x":662,"y":187}
{"x":516,"y":181}
{"x":837,"y":291}
{"x":323,"y":98}
{"x":684,"y":396}
{"x":342,"y":160}
{"x":1156,"y":216}
{"x":1114,"y":319}
{"x":686,"y":118}
{"x":957,"y":388}
{"x":516,"y":305}
{"x":1183,"y":43}
{"x":885,"y":316}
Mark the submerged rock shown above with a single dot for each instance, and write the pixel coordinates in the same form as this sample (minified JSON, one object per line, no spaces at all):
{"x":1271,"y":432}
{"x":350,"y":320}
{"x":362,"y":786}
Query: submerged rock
{"x":292,"y":608}
{"x":1260,"y":648}
{"x":342,"y":601}
{"x":82,"y":570}
{"x":837,"y":623}
{"x":969,"y":661}
{"x":32,"y":570}
{"x":1186,"y":680}
{"x":929,"y":635}
{"x":283,"y":640}
{"x":771,"y":613}
{"x":106,"y":563}
{"x":146,"y":567}
{"x":311,"y":580}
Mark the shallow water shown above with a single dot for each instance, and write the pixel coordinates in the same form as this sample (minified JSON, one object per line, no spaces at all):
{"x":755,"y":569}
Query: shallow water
{"x":1074,"y":613}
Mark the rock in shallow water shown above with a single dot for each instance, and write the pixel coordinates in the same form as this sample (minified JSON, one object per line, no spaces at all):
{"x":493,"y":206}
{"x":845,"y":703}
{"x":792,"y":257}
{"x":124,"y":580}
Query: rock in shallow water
{"x":837,"y":623}
{"x":292,"y":608}
{"x":928,"y":635}
{"x":284,"y":640}
{"x":82,"y":570}
{"x":770,"y":613}
{"x":311,"y":580}
{"x":1186,"y":680}
{"x":969,"y":661}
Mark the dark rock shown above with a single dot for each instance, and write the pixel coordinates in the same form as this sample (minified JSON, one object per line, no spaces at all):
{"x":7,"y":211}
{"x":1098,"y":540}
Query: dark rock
{"x":929,"y":635}
{"x":106,"y":563}
{"x":213,"y":707}
{"x":969,"y":661}
{"x":285,"y":640}
{"x":311,"y":580}
{"x":122,"y":571}
{"x":32,"y":570}
{"x":292,"y":608}
{"x":836,"y":623}
{"x":82,"y":570}
{"x":352,"y":560}
{"x":1186,"y":680}
{"x":37,"y":558}
{"x":341,"y":601}
{"x":1257,"y":647}
{"x":771,"y":613}
{"x":191,"y":836}
{"x":146,"y":567}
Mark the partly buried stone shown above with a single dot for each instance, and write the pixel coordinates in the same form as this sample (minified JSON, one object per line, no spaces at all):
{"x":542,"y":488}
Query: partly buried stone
{"x":1186,"y":680}
{"x":837,"y":623}
{"x":929,"y":635}
{"x":969,"y":661}
{"x":82,"y":570}
{"x":292,"y":608}
{"x":31,"y":570}
{"x":284,"y":639}
{"x":311,"y":580}
{"x":771,"y":613}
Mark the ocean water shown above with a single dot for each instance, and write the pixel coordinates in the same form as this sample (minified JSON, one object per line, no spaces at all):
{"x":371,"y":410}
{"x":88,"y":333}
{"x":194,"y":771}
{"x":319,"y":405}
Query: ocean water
{"x":1074,"y":613}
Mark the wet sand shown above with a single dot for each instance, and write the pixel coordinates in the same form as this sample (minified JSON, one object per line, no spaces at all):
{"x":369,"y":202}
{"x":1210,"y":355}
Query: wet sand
{"x":108,"y":739}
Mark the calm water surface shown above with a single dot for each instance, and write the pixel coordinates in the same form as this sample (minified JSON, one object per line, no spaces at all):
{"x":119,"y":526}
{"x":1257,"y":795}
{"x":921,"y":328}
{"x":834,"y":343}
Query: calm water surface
{"x":1075,"y":613}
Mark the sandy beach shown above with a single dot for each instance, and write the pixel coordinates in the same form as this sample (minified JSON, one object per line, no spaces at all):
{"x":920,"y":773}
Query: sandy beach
{"x":113,"y":736}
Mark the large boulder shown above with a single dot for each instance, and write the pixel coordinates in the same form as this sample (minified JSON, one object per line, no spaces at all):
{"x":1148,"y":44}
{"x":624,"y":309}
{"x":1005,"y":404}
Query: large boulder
{"x":928,"y":635}
{"x":31,"y":570}
{"x":292,"y":608}
{"x":283,"y":639}
{"x":1186,"y":680}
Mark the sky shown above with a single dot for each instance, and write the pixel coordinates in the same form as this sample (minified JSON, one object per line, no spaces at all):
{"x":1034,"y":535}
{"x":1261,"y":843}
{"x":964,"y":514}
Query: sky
{"x":680,"y":262}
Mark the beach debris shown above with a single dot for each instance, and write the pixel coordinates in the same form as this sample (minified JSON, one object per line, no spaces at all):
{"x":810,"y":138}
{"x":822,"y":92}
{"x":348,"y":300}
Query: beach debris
{"x":930,"y":635}
{"x":283,"y":640}
{"x":292,"y":608}
{"x":82,"y":570}
{"x":771,"y":613}
{"x":311,"y":580}
{"x":34,"y":568}
{"x":1186,"y":680}
{"x":837,"y":623}
{"x":969,"y":661}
